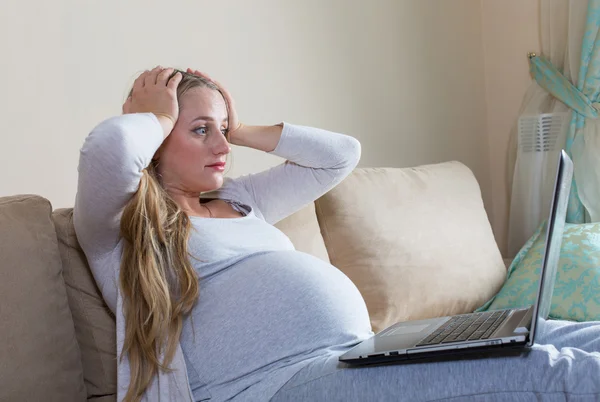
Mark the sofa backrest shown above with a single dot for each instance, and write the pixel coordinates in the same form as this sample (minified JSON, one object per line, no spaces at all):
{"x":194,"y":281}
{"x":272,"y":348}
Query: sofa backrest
{"x":40,"y":358}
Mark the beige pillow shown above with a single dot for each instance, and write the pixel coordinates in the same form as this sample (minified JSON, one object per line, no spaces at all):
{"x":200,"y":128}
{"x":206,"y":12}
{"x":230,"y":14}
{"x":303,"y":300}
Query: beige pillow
{"x":39,"y":354}
{"x":416,"y":241}
{"x":94,"y":322}
{"x":302,"y":228}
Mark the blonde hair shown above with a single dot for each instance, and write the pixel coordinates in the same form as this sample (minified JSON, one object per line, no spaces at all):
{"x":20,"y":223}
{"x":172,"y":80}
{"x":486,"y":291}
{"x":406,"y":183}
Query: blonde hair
{"x":157,"y":280}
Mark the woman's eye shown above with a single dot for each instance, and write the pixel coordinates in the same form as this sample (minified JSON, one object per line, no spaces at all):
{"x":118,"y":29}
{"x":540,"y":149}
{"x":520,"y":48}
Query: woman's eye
{"x":202,"y":130}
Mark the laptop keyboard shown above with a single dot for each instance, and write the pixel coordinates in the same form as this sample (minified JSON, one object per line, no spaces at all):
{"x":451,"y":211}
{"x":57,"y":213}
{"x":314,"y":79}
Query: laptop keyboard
{"x":468,"y":327}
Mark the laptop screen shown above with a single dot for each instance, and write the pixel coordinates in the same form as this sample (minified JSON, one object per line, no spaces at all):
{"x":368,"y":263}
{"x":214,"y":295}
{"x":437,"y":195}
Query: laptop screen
{"x":553,"y":233}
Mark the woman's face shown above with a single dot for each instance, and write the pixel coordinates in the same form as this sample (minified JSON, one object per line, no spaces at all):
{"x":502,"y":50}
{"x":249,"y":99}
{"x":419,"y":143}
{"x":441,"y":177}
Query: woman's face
{"x":197,"y":140}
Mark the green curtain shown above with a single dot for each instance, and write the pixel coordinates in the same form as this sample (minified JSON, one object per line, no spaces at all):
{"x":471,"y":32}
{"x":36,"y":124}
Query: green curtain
{"x":582,"y":98}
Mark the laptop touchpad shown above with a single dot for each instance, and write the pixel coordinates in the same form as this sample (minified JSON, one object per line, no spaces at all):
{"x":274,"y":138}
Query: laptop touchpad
{"x":408,"y":329}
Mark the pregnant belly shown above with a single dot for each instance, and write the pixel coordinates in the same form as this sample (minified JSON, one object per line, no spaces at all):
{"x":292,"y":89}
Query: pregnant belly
{"x":270,"y":310}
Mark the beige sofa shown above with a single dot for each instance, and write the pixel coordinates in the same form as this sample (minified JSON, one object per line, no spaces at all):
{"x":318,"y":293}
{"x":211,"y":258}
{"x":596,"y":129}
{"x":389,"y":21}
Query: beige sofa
{"x":415,"y":241}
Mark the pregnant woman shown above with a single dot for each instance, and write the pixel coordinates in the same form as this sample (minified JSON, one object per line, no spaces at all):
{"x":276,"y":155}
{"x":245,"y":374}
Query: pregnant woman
{"x":212,"y":302}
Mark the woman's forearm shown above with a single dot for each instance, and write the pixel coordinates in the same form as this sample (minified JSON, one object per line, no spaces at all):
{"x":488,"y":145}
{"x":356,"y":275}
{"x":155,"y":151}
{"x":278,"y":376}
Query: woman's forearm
{"x":264,"y":138}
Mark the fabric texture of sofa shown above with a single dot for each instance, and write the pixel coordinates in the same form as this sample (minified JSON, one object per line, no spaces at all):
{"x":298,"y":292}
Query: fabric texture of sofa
{"x":416,"y":242}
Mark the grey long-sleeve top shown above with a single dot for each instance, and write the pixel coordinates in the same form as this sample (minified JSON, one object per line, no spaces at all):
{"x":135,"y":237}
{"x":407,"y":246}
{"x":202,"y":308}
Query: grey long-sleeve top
{"x":265,"y":309}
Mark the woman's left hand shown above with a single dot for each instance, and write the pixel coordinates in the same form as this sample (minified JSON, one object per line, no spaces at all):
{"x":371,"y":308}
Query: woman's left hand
{"x":233,"y":125}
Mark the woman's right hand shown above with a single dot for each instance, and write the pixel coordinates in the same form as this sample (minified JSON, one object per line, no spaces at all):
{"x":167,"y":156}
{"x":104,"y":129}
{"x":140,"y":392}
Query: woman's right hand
{"x":154,"y":92}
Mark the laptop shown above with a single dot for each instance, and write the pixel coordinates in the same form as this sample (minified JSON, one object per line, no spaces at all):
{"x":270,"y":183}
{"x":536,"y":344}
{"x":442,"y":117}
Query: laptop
{"x":506,"y":331}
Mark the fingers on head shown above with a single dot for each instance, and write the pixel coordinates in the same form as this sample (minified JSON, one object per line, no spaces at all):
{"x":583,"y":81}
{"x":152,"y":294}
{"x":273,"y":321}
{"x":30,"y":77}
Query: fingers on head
{"x":175,"y":80}
{"x":163,"y":76}
{"x":139,"y":81}
{"x":152,"y":75}
{"x":158,"y":75}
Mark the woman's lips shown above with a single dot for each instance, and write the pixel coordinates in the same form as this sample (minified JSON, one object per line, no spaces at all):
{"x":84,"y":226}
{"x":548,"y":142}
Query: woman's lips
{"x":218,"y":166}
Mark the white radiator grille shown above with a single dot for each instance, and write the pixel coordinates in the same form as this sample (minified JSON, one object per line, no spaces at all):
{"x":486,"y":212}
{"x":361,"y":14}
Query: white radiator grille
{"x":539,"y":133}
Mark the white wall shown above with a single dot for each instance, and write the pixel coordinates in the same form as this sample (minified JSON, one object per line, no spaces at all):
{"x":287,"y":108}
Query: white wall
{"x":510,"y":31}
{"x":405,"y":77}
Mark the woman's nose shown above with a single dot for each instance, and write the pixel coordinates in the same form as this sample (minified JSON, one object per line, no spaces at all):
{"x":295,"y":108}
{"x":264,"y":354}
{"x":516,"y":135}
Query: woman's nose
{"x":222,"y":145}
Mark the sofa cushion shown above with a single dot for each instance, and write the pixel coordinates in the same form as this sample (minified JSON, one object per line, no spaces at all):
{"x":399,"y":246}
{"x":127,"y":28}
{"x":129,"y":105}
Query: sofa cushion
{"x":416,"y":241}
{"x":303,"y":230}
{"x":40,"y":358}
{"x":94,"y":322}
